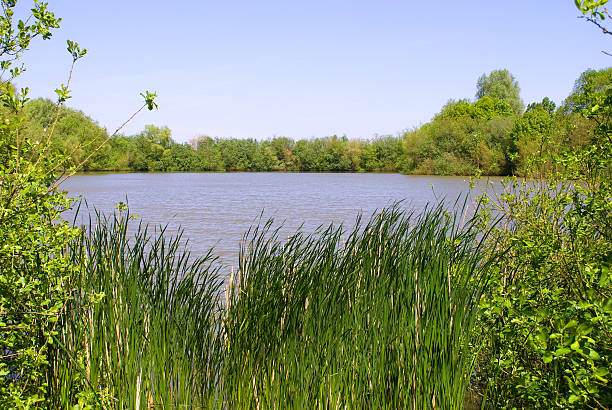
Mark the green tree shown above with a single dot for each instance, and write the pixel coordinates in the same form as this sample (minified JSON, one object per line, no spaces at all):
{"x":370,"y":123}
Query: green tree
{"x":501,"y":85}
{"x":336,"y":154}
{"x":180,"y":157}
{"x":161,"y":136}
{"x":589,"y":81}
{"x":265,"y":158}
{"x":236,"y":154}
{"x":488,"y":107}
{"x":33,"y":265}
{"x":75,"y":135}
{"x":536,"y":138}
{"x":210,"y":155}
{"x":549,"y":312}
{"x":309,"y":155}
{"x":282,"y":148}
{"x":381,"y":154}
{"x":464,"y":138}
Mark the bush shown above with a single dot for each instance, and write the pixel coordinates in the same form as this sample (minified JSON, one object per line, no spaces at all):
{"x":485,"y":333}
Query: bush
{"x":549,"y":315}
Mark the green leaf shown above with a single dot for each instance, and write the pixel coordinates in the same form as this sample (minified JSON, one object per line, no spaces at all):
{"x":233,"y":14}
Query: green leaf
{"x":584,"y":329}
{"x":563,"y":351}
{"x":594,"y":355}
{"x":572,"y":323}
{"x":607,"y":307}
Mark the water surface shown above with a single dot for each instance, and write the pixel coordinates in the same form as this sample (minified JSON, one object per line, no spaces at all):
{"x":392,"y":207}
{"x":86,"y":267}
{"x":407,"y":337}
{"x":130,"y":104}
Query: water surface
{"x":215,"y":209}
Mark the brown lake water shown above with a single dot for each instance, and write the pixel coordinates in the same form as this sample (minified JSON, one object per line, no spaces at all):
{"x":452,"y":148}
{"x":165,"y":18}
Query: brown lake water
{"x":216,"y":209}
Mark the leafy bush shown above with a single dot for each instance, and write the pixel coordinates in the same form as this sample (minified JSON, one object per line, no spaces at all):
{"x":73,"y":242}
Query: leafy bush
{"x":549,"y":315}
{"x":37,"y":273}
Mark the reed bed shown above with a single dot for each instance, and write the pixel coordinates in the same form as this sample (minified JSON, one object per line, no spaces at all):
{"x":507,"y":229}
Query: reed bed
{"x":142,"y":330}
{"x":377,"y":316}
{"x":383,"y":319}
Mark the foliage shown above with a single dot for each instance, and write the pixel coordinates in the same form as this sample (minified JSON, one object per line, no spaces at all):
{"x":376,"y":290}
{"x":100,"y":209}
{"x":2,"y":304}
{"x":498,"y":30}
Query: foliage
{"x":501,"y":85}
{"x":590,"y":7}
{"x":549,"y":313}
{"x":536,"y":137}
{"x":463,"y":139}
{"x":594,"y":11}
{"x":483,"y":137}
{"x":589,"y":82}
{"x":36,"y":271}
{"x":34,"y":268}
{"x":75,"y":136}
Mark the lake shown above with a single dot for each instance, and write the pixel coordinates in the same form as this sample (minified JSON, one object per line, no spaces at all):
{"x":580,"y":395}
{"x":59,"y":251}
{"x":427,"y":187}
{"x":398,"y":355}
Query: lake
{"x":216,"y":209}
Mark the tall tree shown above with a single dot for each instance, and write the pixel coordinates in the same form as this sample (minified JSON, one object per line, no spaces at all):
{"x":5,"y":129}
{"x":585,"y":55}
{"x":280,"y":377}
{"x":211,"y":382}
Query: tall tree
{"x":589,"y":82}
{"x":158,"y":135}
{"x":501,"y":85}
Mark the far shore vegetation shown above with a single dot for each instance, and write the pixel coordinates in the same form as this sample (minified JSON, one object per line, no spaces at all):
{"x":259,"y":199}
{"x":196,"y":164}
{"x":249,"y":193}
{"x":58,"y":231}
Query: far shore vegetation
{"x":492,"y":134}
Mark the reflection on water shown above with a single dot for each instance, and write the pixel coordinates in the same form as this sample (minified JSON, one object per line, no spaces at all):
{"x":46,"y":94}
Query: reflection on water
{"x":216,"y":209}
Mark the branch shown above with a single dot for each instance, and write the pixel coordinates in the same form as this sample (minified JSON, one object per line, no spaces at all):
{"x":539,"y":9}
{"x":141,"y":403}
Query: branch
{"x":598,"y":24}
{"x":54,"y":119}
{"x":78,"y":166}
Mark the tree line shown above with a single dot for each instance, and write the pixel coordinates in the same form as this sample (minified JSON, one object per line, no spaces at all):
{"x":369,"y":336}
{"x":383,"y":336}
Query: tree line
{"x":492,"y":135}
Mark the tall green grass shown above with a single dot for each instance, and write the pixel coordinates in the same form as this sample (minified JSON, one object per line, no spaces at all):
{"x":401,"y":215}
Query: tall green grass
{"x":382,"y":319}
{"x":152,"y":338}
{"x":377,"y":316}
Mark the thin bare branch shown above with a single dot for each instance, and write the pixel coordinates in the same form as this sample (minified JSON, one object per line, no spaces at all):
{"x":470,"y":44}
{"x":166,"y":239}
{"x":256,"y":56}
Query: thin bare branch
{"x":53,"y":123}
{"x":598,"y":24}
{"x":79,"y":166}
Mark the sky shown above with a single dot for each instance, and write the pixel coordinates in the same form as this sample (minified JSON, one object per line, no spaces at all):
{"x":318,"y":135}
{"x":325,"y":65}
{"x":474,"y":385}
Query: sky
{"x":305,"y":69}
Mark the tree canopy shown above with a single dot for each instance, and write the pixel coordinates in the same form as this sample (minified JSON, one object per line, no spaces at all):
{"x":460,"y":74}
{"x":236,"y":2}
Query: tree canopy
{"x":589,"y":82}
{"x":484,"y":136}
{"x":501,"y":85}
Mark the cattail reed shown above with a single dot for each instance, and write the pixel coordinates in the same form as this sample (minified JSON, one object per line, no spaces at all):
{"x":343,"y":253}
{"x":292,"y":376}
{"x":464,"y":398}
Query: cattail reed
{"x":376,"y":316}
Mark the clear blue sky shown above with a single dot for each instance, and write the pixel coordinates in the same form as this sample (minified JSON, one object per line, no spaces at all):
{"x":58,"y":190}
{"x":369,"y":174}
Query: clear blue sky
{"x":308,"y":68}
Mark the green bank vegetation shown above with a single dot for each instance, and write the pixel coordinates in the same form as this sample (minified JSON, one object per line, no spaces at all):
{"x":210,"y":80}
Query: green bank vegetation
{"x":492,"y":135}
{"x":508,"y":305}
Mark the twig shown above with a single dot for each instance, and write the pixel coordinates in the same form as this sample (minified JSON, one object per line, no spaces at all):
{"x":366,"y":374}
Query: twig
{"x":78,"y":166}
{"x":598,"y":24}
{"x":58,"y":109}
